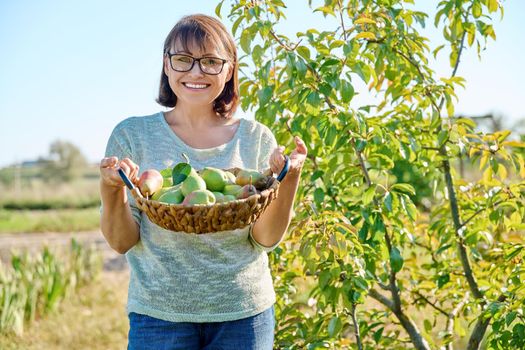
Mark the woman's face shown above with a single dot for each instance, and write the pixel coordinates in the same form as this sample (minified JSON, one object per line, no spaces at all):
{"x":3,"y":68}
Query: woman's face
{"x":195,"y":87}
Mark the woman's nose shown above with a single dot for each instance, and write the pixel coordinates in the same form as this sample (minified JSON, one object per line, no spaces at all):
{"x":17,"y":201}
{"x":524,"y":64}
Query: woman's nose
{"x":196,"y":69}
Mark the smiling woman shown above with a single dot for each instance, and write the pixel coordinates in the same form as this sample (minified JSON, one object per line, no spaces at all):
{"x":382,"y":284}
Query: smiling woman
{"x":210,"y":290}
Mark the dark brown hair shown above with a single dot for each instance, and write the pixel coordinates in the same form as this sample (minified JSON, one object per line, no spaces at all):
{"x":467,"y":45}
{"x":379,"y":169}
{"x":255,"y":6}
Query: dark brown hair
{"x":203,"y":30}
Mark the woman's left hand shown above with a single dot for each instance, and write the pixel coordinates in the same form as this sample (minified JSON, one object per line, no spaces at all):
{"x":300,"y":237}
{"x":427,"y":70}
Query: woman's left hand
{"x":297,"y":158}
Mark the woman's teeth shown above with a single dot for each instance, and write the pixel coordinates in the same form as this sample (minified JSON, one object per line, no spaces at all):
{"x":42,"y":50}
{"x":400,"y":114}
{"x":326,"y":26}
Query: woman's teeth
{"x":195,"y":86}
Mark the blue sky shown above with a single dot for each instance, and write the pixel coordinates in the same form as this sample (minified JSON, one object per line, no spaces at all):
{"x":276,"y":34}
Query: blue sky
{"x":71,"y":70}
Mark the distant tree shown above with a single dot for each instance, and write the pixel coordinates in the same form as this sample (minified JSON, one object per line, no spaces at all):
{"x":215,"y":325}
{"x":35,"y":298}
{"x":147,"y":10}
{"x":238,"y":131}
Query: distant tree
{"x":65,"y":163}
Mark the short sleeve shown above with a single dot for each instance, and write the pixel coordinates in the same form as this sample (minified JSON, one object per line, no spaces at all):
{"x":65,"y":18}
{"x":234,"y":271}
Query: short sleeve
{"x":119,"y":146}
{"x":267,"y":145}
{"x":258,"y":245}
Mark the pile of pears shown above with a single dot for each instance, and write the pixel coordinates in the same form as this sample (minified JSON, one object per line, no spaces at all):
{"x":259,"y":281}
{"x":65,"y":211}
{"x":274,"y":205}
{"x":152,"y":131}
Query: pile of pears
{"x":182,"y":184}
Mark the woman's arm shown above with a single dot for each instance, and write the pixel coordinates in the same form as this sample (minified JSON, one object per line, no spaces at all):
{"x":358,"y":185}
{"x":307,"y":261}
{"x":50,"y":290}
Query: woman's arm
{"x":116,"y":221}
{"x":273,"y":223}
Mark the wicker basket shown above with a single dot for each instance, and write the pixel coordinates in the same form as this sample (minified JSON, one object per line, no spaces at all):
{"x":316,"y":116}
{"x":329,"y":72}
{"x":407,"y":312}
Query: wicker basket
{"x":203,"y":218}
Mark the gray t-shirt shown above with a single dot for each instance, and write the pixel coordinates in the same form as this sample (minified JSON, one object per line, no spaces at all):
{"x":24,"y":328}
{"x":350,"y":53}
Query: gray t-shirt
{"x":183,"y":277}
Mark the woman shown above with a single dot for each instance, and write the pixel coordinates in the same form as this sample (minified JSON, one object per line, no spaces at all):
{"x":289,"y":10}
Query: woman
{"x":210,"y":291}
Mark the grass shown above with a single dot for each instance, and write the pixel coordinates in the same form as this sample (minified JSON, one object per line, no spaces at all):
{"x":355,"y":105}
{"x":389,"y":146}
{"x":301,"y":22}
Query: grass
{"x":37,"y":194}
{"x":94,"y":318}
{"x":64,"y":220}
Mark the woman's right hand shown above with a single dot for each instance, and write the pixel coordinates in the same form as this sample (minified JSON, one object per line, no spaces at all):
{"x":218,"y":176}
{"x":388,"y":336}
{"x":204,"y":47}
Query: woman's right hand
{"x":109,"y":175}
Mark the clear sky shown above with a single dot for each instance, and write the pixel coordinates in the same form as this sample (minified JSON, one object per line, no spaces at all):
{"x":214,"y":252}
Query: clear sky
{"x":71,"y":69}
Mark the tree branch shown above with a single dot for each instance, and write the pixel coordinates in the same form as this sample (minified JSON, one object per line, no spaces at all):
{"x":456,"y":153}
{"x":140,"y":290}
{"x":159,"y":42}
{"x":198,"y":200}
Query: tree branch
{"x":283,"y":44}
{"x":413,"y":332}
{"x":356,"y":327}
{"x":452,"y":316}
{"x":480,"y":328}
{"x":479,"y":211}
{"x":421,"y":296}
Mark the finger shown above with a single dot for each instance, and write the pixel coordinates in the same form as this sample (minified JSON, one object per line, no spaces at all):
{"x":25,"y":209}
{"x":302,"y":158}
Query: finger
{"x":300,"y":145}
{"x":108,"y":162}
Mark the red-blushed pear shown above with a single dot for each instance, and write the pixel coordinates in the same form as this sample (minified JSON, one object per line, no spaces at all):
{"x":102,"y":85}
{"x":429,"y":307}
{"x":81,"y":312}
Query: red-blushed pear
{"x":251,"y":177}
{"x":150,"y":181}
{"x":199,"y":197}
{"x":246,"y":191}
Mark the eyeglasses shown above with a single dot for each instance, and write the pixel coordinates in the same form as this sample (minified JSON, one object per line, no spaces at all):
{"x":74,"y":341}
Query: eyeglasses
{"x":184,"y":63}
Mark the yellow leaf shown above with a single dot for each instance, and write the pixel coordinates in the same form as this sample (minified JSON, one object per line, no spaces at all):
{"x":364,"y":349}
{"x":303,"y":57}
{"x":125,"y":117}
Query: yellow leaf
{"x":364,"y":20}
{"x":484,"y":160}
{"x":487,"y":176}
{"x":514,"y":144}
{"x":502,"y":172}
{"x":366,"y":35}
{"x":522,"y":167}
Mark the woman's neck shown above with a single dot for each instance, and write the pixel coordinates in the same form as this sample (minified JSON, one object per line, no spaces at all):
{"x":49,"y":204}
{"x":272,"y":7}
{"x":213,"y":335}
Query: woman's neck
{"x":194,"y":117}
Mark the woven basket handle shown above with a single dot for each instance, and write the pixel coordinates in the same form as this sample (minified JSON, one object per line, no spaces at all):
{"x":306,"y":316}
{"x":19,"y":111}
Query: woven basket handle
{"x":134,"y":190}
{"x":286,"y":167}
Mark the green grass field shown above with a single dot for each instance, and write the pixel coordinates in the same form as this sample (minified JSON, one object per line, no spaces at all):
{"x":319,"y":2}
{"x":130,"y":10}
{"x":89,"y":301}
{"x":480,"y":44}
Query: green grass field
{"x":33,"y":205}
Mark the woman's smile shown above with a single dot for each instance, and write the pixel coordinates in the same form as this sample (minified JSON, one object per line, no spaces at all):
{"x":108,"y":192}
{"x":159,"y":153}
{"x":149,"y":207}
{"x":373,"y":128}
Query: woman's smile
{"x":195,"y":86}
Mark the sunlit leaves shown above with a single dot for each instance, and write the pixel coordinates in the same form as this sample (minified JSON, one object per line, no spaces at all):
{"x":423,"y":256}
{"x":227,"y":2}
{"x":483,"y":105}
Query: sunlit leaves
{"x":377,"y":170}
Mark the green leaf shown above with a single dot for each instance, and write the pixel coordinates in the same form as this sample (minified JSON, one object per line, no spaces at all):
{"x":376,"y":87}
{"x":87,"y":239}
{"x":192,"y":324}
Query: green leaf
{"x":218,"y":9}
{"x":304,"y":52}
{"x":428,"y":326}
{"x":246,"y":41}
{"x":318,"y":195}
{"x":476,"y":9}
{"x":368,"y":196}
{"x":334,"y":326}
{"x":388,"y":201}
{"x":396,"y":260}
{"x":265,"y":95}
{"x":403,"y":188}
{"x":180,"y":172}
{"x":347,"y":91}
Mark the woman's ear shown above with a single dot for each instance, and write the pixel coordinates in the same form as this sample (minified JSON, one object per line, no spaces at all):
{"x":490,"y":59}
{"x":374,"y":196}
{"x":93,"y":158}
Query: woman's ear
{"x":230,"y":73}
{"x":166,"y":63}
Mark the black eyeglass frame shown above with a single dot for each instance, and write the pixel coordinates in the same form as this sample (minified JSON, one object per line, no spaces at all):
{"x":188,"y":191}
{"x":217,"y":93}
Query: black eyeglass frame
{"x":170,"y":55}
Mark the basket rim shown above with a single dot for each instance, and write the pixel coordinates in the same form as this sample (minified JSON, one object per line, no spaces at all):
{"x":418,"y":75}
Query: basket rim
{"x":265,"y":192}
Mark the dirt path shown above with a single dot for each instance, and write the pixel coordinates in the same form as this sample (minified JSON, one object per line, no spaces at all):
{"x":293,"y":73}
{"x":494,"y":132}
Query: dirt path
{"x":36,"y":241}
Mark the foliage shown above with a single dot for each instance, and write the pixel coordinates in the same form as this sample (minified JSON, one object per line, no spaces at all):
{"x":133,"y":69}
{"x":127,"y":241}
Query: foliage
{"x":447,"y":272}
{"x":35,"y":284}
{"x":65,"y":162}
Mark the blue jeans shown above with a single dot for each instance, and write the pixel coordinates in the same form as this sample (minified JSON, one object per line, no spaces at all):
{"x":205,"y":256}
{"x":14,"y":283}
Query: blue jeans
{"x":252,"y":333}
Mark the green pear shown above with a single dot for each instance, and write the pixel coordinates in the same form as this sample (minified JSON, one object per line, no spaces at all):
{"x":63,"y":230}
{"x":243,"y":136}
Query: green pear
{"x":199,"y":197}
{"x":230,"y":176}
{"x":167,"y":182}
{"x":215,"y":178}
{"x":246,"y":191}
{"x":219,"y":197}
{"x":228,"y":198}
{"x":174,"y":196}
{"x":231,"y":189}
{"x":192,"y":183}
{"x":166,"y":175}
{"x":163,"y":190}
